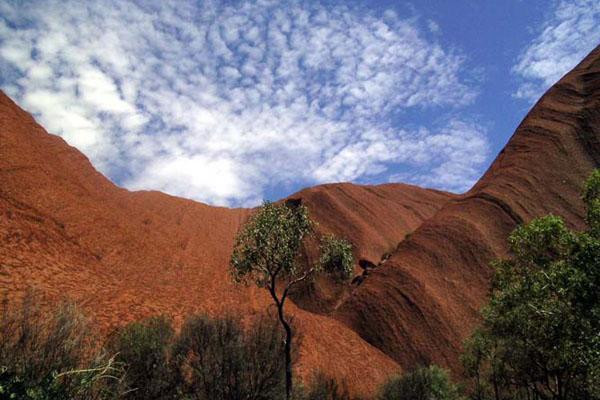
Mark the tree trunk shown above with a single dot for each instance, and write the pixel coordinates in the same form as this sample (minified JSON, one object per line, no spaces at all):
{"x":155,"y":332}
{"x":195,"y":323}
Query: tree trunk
{"x":288,"y":353}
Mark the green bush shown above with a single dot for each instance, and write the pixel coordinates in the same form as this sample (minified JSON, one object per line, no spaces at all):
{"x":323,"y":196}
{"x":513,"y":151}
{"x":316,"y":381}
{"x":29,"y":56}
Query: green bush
{"x":218,"y":360}
{"x":336,"y":257}
{"x":431,"y":383}
{"x":49,"y":354}
{"x":540,"y":336}
{"x":54,"y":355}
{"x":143,"y":347}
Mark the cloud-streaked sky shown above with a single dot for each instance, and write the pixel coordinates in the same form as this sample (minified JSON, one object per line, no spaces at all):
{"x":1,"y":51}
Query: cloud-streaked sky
{"x":232,"y":102}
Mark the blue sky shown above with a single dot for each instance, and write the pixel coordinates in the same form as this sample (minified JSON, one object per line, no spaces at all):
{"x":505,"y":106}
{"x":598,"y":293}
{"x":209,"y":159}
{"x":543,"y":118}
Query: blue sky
{"x":230,"y":103}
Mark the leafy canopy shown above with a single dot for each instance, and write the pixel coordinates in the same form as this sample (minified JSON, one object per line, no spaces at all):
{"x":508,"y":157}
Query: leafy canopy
{"x":269,"y":243}
{"x":540,"y":336}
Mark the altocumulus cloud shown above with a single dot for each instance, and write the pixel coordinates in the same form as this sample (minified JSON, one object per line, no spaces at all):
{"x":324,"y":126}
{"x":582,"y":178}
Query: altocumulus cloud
{"x":571,"y":32}
{"x":221,"y":102}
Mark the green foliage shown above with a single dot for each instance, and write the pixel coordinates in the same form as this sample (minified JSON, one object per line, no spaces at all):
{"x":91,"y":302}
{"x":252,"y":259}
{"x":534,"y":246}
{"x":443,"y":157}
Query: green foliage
{"x":53,"y":355}
{"x":336,"y":257}
{"x":431,"y":383}
{"x":210,"y":359}
{"x":539,"y":243}
{"x":269,"y":244}
{"x":143,"y":347}
{"x":48,"y":354}
{"x":218,"y":360}
{"x":591,"y":191}
{"x":591,"y":197}
{"x":267,"y":252}
{"x":540,"y":336}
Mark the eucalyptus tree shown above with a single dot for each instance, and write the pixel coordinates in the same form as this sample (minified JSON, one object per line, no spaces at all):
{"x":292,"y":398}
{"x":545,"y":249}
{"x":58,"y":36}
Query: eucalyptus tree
{"x":540,"y":337}
{"x":267,"y":254}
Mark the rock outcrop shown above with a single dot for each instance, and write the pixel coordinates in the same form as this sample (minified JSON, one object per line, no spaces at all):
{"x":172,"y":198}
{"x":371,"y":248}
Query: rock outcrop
{"x":420,"y":306}
{"x":68,"y":231}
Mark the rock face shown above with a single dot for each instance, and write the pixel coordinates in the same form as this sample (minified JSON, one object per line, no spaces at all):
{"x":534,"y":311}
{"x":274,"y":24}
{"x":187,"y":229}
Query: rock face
{"x":420,"y":306}
{"x":69,"y":232}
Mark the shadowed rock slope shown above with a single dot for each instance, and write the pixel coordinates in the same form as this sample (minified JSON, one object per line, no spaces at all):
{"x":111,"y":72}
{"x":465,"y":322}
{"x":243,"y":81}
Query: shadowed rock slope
{"x":421,"y":305}
{"x":69,"y":232}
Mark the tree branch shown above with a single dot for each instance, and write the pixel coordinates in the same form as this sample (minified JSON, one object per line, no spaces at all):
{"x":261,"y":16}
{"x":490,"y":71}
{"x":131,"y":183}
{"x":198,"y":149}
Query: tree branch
{"x":295,"y":281}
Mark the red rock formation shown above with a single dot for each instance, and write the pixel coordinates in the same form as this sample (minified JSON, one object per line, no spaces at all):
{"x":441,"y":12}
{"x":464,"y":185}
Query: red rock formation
{"x":421,"y":305}
{"x":68,"y":231}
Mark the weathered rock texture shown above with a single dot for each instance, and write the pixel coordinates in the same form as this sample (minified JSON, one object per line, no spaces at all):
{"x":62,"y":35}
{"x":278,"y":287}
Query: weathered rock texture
{"x":420,"y":306}
{"x":69,"y":232}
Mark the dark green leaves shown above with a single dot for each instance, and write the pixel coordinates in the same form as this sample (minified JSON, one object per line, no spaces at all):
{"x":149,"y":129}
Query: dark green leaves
{"x":541,"y":241}
{"x":591,"y":197}
{"x":269,"y":243}
{"x":336,"y":257}
{"x":540,"y":336}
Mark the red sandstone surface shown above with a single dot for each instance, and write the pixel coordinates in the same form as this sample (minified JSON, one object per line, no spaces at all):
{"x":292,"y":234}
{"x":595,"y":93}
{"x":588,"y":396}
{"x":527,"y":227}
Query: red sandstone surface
{"x":420,"y":305}
{"x":68,"y":231}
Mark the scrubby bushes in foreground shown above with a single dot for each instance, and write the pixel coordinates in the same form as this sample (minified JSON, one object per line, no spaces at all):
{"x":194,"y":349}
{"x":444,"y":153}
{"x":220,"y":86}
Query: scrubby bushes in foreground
{"x":49,"y":355}
{"x":54,"y":355}
{"x":427,"y":383}
{"x":211,"y":358}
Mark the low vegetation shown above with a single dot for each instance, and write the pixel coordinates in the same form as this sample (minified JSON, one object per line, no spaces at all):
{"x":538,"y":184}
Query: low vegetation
{"x":218,"y":359}
{"x":50,"y":356}
{"x":539,"y":338}
{"x":53,"y":354}
{"x":144,"y":347}
{"x":427,"y":383}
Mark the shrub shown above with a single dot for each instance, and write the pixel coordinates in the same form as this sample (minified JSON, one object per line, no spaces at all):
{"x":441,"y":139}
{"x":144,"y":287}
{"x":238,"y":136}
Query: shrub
{"x":49,"y":354}
{"x":431,"y":383}
{"x":336,"y":257}
{"x":218,"y":360}
{"x":53,"y":355}
{"x":540,"y":333}
{"x":143,"y":347}
{"x":323,"y":387}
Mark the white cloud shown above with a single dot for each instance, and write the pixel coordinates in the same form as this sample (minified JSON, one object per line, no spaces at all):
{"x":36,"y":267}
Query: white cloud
{"x":452,"y":153}
{"x":219,"y":102}
{"x":433,"y":27}
{"x":571,"y":33}
{"x":68,"y":118}
{"x":194,"y":176}
{"x":100,"y":92}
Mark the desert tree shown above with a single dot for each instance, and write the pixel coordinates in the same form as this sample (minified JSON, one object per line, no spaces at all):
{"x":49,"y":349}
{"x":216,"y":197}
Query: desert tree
{"x":267,"y":253}
{"x":540,"y":334}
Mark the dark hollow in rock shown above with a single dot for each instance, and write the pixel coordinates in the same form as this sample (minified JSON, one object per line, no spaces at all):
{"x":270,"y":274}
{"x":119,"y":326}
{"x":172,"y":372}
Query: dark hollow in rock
{"x":366,"y":264}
